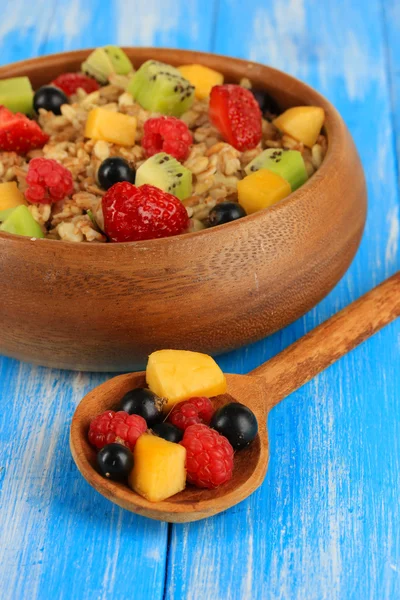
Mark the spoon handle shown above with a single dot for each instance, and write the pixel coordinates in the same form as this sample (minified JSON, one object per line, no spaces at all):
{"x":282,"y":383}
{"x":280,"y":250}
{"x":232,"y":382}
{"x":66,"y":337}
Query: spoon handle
{"x":331,"y":340}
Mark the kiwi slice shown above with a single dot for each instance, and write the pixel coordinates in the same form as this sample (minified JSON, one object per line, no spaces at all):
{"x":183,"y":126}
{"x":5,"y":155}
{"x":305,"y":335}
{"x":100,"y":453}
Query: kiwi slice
{"x":98,"y":65}
{"x":4,"y":214}
{"x":161,"y":88}
{"x":21,"y":222}
{"x":165,"y":172}
{"x":16,"y":94}
{"x":121,"y":63}
{"x":289,"y":164}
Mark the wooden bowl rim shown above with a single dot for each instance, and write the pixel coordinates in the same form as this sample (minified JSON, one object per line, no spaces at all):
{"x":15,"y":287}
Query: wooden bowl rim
{"x":334,"y":126}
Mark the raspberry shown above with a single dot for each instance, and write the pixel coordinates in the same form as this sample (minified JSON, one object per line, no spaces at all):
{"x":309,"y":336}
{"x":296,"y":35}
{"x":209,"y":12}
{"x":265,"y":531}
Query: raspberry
{"x":70,"y":82}
{"x":18,"y":133}
{"x":48,"y":181}
{"x":209,"y":457}
{"x":190,"y":412}
{"x":116,"y":427}
{"x":167,"y":134}
{"x":236,"y":114}
{"x":142,"y":213}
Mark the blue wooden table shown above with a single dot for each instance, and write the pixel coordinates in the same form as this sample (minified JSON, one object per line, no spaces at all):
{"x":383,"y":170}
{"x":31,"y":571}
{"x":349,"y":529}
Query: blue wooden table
{"x":325,"y":524}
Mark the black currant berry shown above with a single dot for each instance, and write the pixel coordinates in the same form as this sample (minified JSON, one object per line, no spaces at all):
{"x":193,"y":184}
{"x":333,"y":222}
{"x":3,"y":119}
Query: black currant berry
{"x":143,"y":402}
{"x":113,"y":170}
{"x":225,"y":212}
{"x":237,"y":423}
{"x":169,"y":432}
{"x":115,"y":461}
{"x":50,"y":98}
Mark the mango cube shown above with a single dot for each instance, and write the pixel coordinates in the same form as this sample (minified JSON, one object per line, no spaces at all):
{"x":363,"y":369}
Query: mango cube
{"x":203,"y":79}
{"x":261,"y":190}
{"x":114,"y":127}
{"x":159,"y":468}
{"x":179,"y":374}
{"x":303,"y":123}
{"x":10,"y":196}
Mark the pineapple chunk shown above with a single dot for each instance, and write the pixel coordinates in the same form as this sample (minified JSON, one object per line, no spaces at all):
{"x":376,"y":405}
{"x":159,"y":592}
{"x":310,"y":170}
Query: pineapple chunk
{"x":179,"y":374}
{"x":202,"y":78}
{"x":303,"y":123}
{"x":261,"y":190}
{"x":159,"y":468}
{"x":114,"y":127}
{"x":10,"y":196}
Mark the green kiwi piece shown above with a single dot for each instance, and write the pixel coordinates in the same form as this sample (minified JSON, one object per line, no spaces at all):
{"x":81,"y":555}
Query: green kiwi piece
{"x":289,"y":164}
{"x":4,"y":214}
{"x":16,"y":94}
{"x":158,"y":87}
{"x":165,"y":172}
{"x":121,"y":63}
{"x":98,"y":65}
{"x":21,"y":222}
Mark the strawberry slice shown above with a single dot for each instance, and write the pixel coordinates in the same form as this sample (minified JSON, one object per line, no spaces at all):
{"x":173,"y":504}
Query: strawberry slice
{"x":18,"y":133}
{"x":70,"y":82}
{"x":236,"y":114}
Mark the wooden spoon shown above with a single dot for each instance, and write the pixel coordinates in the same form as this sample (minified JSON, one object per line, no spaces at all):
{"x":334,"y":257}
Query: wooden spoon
{"x":261,"y":390}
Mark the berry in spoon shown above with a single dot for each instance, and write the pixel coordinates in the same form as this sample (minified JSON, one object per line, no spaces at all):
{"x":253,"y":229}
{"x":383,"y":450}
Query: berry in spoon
{"x":115,"y":461}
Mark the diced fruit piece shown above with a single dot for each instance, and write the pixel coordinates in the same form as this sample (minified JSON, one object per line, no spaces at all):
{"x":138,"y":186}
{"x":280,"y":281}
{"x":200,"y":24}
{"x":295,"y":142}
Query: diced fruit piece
{"x":203,"y":78}
{"x":142,"y":213}
{"x":265,"y":101}
{"x":159,"y":468}
{"x":18,"y":133}
{"x":114,"y":127}
{"x":50,"y":98}
{"x":168,"y":432}
{"x":145,"y":403}
{"x":167,"y":134}
{"x":120,"y":62}
{"x":103,"y":62}
{"x":48,"y":181}
{"x":303,"y":123}
{"x":166,"y":173}
{"x":69,"y":83}
{"x":10,"y":195}
{"x":261,"y":190}
{"x":237,"y":423}
{"x":209,"y":459}
{"x":114,"y":170}
{"x":195,"y":410}
{"x":115,"y":461}
{"x":21,"y":222}
{"x":4,"y":214}
{"x":289,"y":164}
{"x":16,"y":94}
{"x":161,"y":88}
{"x":180,"y":374}
{"x":236,"y":114}
{"x":224,"y":212}
{"x":119,"y":427}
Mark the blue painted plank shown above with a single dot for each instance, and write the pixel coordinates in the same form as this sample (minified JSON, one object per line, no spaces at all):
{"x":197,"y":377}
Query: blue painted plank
{"x":391,"y":13}
{"x":324,"y":524}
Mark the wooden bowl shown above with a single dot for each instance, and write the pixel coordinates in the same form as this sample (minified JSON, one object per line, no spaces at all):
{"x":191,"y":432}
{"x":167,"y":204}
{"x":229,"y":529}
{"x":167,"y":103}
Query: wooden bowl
{"x":106,"y":307}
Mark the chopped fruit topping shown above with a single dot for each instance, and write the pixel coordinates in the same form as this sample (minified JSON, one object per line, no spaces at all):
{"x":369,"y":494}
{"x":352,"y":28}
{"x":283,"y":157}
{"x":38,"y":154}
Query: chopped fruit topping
{"x":225,"y":212}
{"x":261,"y":190}
{"x":10,"y":195}
{"x":168,"y":432}
{"x":203,"y":79}
{"x":145,"y":403}
{"x":237,"y":423}
{"x":21,"y":222}
{"x":4,"y":214}
{"x":18,"y":133}
{"x":166,"y":173}
{"x":192,"y":411}
{"x":16,"y":94}
{"x":69,"y":83}
{"x":114,"y":170}
{"x":180,"y":374}
{"x":103,"y":62}
{"x":115,"y":461}
{"x":142,"y":213}
{"x":48,"y":181}
{"x":303,"y":123}
{"x":167,"y":134}
{"x":49,"y":98}
{"x":236,"y":114}
{"x":289,"y":164}
{"x":161,"y":88}
{"x":159,"y":468}
{"x":110,"y":427}
{"x":266,"y":103}
{"x":209,"y":460}
{"x":114,"y":127}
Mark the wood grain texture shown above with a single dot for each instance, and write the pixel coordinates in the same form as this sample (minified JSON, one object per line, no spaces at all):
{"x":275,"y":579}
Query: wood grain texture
{"x":325,"y":523}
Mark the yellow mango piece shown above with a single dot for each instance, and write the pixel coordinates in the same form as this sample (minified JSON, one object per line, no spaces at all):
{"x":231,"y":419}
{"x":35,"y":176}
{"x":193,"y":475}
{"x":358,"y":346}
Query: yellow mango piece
{"x":114,"y":127}
{"x":10,"y":196}
{"x":159,"y":468}
{"x":261,"y":190}
{"x":203,"y":79}
{"x":179,"y":374}
{"x":303,"y":123}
